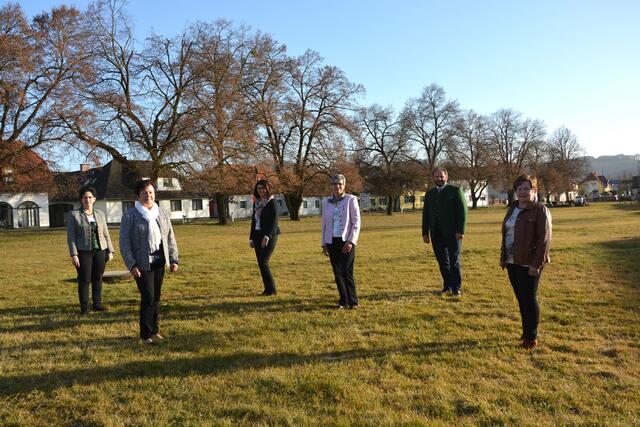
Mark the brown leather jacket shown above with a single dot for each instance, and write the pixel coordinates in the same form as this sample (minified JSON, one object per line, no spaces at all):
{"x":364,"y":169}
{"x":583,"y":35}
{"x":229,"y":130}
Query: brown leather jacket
{"x":532,"y":235}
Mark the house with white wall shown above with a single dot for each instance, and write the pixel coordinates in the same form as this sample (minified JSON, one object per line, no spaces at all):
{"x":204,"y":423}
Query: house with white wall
{"x":115,"y":187}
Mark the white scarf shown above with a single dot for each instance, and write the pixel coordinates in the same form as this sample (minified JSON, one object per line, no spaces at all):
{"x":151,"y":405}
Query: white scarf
{"x":151,"y":215}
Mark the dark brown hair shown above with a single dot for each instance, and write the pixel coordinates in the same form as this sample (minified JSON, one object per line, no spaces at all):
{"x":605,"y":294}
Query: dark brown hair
{"x":86,"y":188}
{"x":142,"y":184}
{"x":265,"y":184}
{"x":532,"y":180}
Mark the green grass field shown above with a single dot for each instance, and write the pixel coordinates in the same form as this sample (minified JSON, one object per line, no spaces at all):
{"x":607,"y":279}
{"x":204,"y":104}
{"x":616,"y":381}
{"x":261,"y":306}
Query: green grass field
{"x":407,"y":357}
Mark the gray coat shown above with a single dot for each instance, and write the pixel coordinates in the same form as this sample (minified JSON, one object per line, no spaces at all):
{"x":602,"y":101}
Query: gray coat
{"x":79,"y":232}
{"x":134,"y":239}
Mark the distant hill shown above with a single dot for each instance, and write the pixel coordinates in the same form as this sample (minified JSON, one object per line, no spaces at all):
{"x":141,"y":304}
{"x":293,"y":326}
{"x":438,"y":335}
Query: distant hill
{"x":615,"y":166}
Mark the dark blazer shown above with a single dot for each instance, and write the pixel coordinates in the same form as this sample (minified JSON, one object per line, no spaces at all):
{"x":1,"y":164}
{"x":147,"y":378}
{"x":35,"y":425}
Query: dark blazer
{"x":446,"y":209}
{"x":79,"y":232}
{"x":268,"y":222}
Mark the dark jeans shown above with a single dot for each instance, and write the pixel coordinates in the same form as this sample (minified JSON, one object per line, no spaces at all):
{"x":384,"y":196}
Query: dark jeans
{"x":526,"y":289}
{"x":447,"y":252}
{"x":263,"y":255}
{"x":342,"y":265}
{"x":91,"y":270}
{"x":149,"y":285}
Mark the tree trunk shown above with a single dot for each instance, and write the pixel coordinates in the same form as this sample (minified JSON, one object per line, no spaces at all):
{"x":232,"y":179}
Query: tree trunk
{"x":293,"y":200}
{"x":223,"y":213}
{"x":389,"y":205}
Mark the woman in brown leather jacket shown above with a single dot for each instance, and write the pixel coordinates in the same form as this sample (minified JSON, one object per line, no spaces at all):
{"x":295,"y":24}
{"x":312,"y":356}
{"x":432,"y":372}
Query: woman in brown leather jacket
{"x":526,"y":236}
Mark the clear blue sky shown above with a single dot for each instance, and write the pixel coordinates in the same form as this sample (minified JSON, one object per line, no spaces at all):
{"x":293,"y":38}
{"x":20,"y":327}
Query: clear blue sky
{"x":573,"y":63}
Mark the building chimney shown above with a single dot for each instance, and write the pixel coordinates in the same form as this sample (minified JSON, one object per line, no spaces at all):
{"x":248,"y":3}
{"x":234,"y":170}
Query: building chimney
{"x":84,"y":167}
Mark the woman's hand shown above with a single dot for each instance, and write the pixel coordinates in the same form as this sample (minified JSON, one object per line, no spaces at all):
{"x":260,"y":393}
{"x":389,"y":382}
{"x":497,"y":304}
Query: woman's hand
{"x":325,"y":251}
{"x":173,"y":268}
{"x":251,"y":245}
{"x":265,"y":242}
{"x":75,"y":261}
{"x":502,"y":265}
{"x":135,"y":272}
{"x":347,"y":247}
{"x":109,"y":256}
{"x":533,"y":271}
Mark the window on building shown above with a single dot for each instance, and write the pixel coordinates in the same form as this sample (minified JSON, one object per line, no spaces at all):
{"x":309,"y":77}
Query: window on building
{"x":373,"y":202}
{"x":304,"y":204}
{"x":279,"y":202}
{"x":28,"y":215}
{"x":408,"y":199}
{"x":383,"y":201}
{"x":176,"y":205}
{"x":317,"y":204}
{"x":470,"y":198}
{"x":7,"y":176}
{"x":196,"y":204}
{"x":243,"y":204}
{"x":422,"y":199}
{"x":167,"y":182}
{"x":6,"y":215}
{"x":126,"y":205}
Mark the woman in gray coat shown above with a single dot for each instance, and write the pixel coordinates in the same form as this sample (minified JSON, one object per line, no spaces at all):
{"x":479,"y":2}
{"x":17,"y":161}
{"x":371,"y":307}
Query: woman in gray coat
{"x":90,"y":248}
{"x":147,"y":244}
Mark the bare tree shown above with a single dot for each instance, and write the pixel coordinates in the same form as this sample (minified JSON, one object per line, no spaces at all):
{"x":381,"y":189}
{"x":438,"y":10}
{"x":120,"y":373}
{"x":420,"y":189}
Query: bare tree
{"x":430,"y":123}
{"x":566,"y":157}
{"x":136,"y":103}
{"x":301,"y":106}
{"x":224,"y":134}
{"x":37,"y":60}
{"x":512,"y":139}
{"x":381,"y":148}
{"x":470,"y":153}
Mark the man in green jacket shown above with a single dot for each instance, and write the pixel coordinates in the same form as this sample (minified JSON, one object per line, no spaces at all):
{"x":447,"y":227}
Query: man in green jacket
{"x":444,"y":217}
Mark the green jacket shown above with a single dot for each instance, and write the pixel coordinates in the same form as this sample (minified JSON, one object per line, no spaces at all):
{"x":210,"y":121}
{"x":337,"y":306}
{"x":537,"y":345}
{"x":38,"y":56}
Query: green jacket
{"x":444,"y":211}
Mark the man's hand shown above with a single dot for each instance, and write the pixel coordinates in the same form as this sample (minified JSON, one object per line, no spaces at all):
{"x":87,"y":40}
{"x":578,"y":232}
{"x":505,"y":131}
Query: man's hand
{"x":325,"y":251}
{"x":347,"y":247}
{"x":75,"y":261}
{"x":426,"y":239}
{"x":251,"y":245}
{"x":502,"y":265}
{"x":173,"y":268}
{"x":109,"y":256}
{"x":459,"y":236}
{"x":265,"y":242}
{"x":533,"y":271}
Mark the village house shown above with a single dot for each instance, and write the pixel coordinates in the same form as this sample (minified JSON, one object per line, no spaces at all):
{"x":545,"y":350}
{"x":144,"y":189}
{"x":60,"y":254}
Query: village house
{"x":115,"y":183}
{"x":24,"y":182}
{"x":595,"y":185}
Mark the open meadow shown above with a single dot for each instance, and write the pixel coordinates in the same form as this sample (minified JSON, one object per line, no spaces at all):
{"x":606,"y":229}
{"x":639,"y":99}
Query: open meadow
{"x":407,"y":356}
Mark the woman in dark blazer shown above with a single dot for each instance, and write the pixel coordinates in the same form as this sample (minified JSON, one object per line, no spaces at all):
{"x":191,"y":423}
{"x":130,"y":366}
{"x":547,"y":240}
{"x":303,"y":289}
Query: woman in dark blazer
{"x":264,"y":232}
{"x":90,"y":248}
{"x":526,"y":236}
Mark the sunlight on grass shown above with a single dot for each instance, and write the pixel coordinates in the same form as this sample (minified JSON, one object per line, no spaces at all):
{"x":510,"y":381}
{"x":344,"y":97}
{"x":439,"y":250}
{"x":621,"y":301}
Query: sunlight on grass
{"x":406,"y":357}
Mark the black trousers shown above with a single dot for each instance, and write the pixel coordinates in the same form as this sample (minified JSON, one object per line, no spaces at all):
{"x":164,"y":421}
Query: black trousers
{"x":91,"y":270}
{"x":149,"y":285}
{"x":526,"y":290}
{"x":263,"y":255}
{"x":342,"y":265}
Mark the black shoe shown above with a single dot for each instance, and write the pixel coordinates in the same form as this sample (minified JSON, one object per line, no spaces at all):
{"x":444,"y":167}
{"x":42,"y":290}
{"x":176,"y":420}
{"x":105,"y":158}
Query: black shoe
{"x":264,"y":293}
{"x":456,"y":294}
{"x":84,"y":311}
{"x":353,"y":307}
{"x":443,"y":291}
{"x":268,"y":294}
{"x":101,"y":308}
